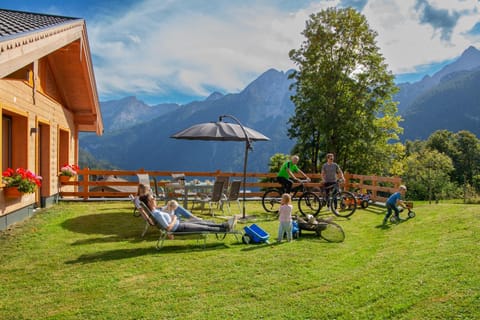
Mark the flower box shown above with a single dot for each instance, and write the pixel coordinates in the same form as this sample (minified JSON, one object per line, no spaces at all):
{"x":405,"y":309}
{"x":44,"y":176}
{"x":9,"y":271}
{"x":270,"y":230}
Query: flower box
{"x":68,"y":170}
{"x":12,"y":192}
{"x":64,"y":178}
{"x":24,"y":180}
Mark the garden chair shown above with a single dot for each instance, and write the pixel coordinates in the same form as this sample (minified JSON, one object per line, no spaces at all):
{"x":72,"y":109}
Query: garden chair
{"x":233,"y":194}
{"x":225,"y":180}
{"x":175,"y":189}
{"x":215,"y":197}
{"x":157,"y":192}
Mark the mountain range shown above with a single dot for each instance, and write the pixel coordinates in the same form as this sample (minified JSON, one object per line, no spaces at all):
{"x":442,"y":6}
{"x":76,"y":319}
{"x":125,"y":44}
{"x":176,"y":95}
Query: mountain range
{"x":447,"y":100}
{"x":138,"y":135}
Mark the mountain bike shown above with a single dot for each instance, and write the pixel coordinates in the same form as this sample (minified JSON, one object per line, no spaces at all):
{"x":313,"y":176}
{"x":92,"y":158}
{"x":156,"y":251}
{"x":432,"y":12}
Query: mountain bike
{"x":308,"y":202}
{"x":341,"y":203}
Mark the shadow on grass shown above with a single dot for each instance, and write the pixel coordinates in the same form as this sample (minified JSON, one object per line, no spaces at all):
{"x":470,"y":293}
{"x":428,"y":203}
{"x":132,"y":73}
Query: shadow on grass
{"x":122,"y":225}
{"x":383,"y":226}
{"x":391,"y":224}
{"x":110,"y":255}
{"x":120,"y":254}
{"x":375,"y":209}
{"x":309,"y":236}
{"x":252,"y":247}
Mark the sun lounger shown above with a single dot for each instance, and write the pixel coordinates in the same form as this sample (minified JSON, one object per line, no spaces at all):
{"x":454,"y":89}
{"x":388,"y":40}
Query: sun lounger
{"x":138,"y":212}
{"x":164,"y":234}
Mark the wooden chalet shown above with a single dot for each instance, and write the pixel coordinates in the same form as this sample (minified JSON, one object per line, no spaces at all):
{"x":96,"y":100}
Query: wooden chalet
{"x":47,"y":96}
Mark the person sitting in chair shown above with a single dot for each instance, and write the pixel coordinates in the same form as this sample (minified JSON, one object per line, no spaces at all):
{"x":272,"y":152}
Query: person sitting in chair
{"x":171,"y":223}
{"x":173,"y":207}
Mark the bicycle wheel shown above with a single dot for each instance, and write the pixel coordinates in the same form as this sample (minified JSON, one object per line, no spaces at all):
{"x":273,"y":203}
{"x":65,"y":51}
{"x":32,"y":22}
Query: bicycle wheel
{"x":330,"y":231}
{"x":271,"y":200}
{"x":343,"y":204}
{"x":309,"y":203}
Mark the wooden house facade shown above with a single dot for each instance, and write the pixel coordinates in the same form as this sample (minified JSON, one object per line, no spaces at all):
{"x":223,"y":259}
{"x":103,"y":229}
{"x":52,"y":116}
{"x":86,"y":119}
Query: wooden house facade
{"x":48,"y":95}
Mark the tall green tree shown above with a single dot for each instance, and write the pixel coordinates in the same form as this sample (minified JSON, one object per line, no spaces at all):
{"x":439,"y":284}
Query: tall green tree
{"x":428,"y":174}
{"x":443,"y":141}
{"x":343,"y":100}
{"x":468,"y":159}
{"x":463,"y":148}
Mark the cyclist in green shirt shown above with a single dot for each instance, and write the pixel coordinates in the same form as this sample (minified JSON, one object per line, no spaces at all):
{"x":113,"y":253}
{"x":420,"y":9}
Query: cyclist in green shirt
{"x":286,"y":175}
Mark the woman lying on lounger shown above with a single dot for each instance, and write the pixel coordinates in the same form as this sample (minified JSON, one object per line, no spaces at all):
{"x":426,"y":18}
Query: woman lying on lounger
{"x":171,"y":207}
{"x":170,"y":222}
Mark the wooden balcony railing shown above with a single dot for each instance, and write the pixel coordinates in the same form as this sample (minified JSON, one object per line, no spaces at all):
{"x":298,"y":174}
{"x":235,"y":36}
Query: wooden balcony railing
{"x":89,"y":185}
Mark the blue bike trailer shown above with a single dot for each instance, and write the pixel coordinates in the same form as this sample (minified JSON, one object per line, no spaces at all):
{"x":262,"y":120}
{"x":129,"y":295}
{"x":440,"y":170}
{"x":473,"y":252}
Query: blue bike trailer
{"x":255,"y":234}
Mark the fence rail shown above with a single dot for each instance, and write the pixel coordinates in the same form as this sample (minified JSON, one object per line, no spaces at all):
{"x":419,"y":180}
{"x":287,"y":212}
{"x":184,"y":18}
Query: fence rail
{"x":121,"y":183}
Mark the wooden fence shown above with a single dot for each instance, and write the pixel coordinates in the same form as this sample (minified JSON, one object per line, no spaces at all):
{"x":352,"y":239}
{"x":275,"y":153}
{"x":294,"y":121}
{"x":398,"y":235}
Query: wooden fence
{"x":100,"y":184}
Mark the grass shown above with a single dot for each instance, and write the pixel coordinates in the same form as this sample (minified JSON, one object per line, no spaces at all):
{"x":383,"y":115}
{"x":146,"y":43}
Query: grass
{"x":87,"y":261}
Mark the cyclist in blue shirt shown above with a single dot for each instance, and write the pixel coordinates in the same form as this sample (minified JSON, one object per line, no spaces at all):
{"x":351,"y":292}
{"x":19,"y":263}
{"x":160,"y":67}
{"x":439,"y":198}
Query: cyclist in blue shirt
{"x":393,"y":202}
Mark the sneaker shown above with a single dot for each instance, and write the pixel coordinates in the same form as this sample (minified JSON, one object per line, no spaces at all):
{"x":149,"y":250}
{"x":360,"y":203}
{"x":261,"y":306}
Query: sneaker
{"x":384,"y":222}
{"x":232,"y":222}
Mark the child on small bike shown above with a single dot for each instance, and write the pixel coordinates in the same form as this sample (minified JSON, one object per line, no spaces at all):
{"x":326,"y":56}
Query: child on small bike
{"x":393,"y":202}
{"x":285,"y":218}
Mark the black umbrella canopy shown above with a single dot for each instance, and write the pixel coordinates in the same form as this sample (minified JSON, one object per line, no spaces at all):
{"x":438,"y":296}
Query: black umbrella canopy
{"x":224,"y":131}
{"x":219,"y":131}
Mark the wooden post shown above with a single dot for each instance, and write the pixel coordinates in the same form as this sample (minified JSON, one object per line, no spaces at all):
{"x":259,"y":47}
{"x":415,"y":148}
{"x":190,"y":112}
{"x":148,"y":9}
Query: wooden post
{"x":85,"y":182}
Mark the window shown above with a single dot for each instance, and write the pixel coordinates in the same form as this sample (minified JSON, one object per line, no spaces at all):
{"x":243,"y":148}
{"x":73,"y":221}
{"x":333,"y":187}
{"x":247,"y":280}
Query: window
{"x":6,"y":142}
{"x":63,"y":148}
{"x":14,"y":140}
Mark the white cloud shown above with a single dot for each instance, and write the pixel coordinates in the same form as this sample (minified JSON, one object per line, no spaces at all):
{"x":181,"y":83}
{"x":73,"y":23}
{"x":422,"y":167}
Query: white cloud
{"x":408,"y":44}
{"x":161,"y":46}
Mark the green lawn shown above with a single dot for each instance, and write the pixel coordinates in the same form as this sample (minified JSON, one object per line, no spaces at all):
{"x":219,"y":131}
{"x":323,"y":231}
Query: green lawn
{"x":87,"y":261}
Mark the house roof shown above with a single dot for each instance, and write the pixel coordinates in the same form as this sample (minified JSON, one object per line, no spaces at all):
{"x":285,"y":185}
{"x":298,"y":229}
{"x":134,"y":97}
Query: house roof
{"x":15,"y":22}
{"x":110,"y":178}
{"x":26,"y":37}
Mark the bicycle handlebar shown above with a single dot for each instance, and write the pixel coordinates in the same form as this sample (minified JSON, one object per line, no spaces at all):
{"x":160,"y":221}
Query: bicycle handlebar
{"x":303,"y":180}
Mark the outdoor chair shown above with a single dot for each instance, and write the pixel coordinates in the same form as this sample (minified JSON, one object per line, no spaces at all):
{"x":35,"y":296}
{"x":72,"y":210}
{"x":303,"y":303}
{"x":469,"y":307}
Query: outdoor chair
{"x":234,"y":194}
{"x":144,"y":178}
{"x":175,"y":189}
{"x":225,"y":180}
{"x":164,"y":234}
{"x":215,"y":197}
{"x":138,"y":208}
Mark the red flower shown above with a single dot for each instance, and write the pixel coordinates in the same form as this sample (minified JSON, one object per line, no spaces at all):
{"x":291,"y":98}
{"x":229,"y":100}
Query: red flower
{"x":25,"y":180}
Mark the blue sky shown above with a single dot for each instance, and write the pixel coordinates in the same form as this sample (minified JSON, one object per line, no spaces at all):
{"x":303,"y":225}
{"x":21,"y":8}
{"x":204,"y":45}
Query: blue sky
{"x":182,"y":50}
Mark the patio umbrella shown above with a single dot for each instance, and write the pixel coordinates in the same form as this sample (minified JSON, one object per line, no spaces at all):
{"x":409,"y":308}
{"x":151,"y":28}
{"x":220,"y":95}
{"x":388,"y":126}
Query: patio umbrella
{"x":224,"y":131}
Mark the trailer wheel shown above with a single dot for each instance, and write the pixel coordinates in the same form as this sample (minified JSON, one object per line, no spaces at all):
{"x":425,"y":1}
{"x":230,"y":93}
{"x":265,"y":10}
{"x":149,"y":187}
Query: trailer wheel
{"x":246,"y":239}
{"x":364,"y":204}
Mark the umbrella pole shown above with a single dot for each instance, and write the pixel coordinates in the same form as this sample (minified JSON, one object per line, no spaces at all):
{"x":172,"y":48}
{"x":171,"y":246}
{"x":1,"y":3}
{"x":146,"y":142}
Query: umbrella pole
{"x":247,"y":146}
